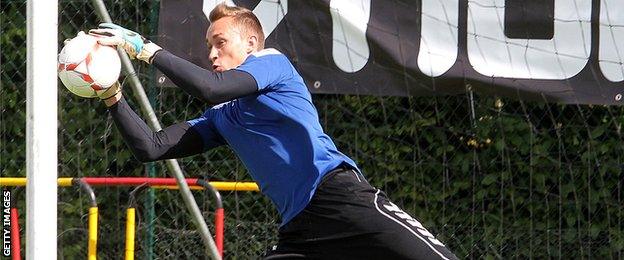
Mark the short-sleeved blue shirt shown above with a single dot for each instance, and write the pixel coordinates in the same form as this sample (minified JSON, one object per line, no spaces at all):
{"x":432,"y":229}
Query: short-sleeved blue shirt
{"x":275,"y":132}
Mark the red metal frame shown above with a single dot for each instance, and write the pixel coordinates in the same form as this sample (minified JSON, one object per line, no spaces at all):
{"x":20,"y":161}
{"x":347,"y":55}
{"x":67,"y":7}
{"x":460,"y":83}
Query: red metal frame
{"x":16,"y":250}
{"x":219,"y":226}
{"x":219,"y":214}
{"x":134,"y":181}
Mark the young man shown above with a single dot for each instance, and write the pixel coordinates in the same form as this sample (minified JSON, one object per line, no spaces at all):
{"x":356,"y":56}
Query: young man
{"x":264,"y":112}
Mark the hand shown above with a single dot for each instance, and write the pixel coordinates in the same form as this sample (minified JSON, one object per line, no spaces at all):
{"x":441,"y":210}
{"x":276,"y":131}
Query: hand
{"x":133,"y":43}
{"x":110,"y":95}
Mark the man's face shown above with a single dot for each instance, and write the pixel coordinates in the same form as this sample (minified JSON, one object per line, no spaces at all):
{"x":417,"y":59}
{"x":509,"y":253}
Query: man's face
{"x":227,"y":47}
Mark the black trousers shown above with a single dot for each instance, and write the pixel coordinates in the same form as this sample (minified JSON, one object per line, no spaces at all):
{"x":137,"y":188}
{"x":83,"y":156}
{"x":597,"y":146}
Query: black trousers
{"x":349,"y":219}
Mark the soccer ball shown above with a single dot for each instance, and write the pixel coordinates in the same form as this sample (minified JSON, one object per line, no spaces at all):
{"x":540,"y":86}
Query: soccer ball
{"x":85,"y":66}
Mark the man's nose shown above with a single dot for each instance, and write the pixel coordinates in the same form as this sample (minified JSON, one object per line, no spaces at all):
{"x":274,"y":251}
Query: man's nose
{"x":212,"y":55}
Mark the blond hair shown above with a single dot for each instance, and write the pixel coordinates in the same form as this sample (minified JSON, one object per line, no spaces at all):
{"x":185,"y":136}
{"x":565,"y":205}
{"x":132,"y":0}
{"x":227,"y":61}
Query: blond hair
{"x":244,"y":19}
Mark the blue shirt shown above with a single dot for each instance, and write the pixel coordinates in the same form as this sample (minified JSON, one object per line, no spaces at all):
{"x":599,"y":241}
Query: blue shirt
{"x":275,"y":132}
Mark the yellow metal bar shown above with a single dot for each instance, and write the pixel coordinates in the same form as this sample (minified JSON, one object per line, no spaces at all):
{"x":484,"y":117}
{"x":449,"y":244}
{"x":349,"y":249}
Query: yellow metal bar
{"x":93,"y":227}
{"x":65,"y":182}
{"x":235,"y":186}
{"x":130,"y":233}
{"x":21,"y":181}
{"x":219,"y":185}
{"x":6,"y":181}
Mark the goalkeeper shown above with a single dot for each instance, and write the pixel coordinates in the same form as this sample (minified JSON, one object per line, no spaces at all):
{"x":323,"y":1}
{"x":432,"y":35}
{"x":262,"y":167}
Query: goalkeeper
{"x":262,"y":109}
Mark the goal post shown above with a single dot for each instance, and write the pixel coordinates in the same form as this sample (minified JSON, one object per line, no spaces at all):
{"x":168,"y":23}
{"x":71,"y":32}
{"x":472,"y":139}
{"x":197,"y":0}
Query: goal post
{"x":41,"y":129}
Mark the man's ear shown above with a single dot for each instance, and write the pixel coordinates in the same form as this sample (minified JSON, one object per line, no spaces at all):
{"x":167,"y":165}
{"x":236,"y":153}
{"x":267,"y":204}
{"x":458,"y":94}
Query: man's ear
{"x":252,"y":44}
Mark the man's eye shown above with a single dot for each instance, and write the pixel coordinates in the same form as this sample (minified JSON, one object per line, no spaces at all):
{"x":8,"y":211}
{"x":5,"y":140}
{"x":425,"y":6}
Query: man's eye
{"x":221,"y":43}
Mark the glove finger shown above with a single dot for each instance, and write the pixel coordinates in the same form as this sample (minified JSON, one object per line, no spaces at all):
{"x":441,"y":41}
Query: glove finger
{"x":102,"y":32}
{"x":131,"y":33}
{"x":110,"y":41}
{"x":80,"y":33}
{"x":106,"y":38}
{"x":119,"y":28}
{"x":109,"y":26}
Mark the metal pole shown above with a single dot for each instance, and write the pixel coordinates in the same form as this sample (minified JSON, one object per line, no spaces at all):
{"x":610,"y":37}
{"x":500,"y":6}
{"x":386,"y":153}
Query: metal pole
{"x":93,"y":217}
{"x":219,"y":213}
{"x":41,"y":129}
{"x":150,"y":168}
{"x":174,"y":167}
{"x":130,"y":221}
{"x":151,"y":215}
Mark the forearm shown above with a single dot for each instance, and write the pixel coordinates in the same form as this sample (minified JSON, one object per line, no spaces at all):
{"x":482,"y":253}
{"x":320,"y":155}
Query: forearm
{"x":175,"y":141}
{"x":211,"y":87}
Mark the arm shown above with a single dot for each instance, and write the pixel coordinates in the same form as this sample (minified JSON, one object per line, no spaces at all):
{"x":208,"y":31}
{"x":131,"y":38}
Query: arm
{"x":212,"y":87}
{"x":178,"y":140}
{"x":209,"y":86}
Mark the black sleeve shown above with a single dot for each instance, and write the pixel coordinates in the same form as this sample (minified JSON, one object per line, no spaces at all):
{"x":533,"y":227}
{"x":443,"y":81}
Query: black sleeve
{"x":211,"y":87}
{"x":178,"y":140}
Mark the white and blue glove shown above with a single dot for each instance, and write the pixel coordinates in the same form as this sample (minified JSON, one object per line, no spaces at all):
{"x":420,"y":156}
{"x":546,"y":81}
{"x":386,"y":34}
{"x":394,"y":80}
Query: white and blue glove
{"x":111,"y":94}
{"x":133,"y":43}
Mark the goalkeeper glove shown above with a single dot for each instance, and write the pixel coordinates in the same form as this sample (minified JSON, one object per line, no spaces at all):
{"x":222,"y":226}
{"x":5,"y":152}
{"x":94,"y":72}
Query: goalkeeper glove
{"x":111,"y":94}
{"x":133,"y":43}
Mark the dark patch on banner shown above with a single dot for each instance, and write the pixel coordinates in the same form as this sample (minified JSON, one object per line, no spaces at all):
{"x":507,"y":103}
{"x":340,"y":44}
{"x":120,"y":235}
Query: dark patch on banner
{"x":530,"y":19}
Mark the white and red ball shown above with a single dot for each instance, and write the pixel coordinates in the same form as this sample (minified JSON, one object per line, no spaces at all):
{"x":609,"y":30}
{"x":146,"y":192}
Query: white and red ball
{"x":85,"y":66}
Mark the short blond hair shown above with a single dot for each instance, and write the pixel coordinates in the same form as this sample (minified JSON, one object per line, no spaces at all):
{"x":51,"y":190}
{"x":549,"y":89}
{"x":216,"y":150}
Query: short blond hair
{"x":244,"y":19}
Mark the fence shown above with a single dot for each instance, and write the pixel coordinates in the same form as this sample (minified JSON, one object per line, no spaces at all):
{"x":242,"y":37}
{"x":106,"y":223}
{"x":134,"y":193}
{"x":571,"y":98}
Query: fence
{"x":137,"y":185}
{"x":493,"y":177}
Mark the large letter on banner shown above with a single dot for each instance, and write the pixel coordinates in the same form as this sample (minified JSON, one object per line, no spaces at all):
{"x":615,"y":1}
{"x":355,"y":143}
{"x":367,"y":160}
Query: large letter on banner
{"x":438,"y":36}
{"x":612,"y":39}
{"x":493,"y":54}
{"x":349,"y":23}
{"x":270,"y":13}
